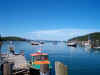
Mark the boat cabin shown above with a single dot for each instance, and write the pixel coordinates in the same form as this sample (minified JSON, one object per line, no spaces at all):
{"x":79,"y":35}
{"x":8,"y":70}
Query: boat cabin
{"x":39,"y":59}
{"x":39,"y":56}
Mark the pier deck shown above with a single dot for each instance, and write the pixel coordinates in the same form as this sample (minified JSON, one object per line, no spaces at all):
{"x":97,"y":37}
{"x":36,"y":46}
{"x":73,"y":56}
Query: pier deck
{"x":19,"y":61}
{"x":15,"y":64}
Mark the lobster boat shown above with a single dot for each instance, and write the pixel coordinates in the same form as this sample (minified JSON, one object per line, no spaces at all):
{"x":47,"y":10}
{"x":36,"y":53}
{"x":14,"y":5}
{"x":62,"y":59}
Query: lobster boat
{"x":40,"y":64}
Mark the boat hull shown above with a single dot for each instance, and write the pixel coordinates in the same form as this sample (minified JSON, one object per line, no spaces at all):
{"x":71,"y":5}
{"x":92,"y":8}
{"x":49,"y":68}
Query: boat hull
{"x":37,"y":72}
{"x":34,"y":71}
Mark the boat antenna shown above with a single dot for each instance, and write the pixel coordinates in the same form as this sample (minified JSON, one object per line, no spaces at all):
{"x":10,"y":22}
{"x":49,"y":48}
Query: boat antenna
{"x":40,"y":50}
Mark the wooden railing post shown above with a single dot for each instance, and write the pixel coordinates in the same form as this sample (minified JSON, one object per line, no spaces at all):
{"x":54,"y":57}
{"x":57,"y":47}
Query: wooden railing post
{"x":60,"y":69}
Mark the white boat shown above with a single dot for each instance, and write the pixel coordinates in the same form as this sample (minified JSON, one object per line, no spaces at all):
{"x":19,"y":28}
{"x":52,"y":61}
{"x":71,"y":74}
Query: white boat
{"x":86,"y":44}
{"x":71,"y":44}
{"x":35,"y":43}
{"x":97,"y":47}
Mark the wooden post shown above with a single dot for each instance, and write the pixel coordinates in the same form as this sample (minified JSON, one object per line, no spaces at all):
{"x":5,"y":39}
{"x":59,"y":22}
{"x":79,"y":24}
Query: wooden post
{"x":7,"y":68}
{"x":0,"y":47}
{"x":60,"y":69}
{"x":0,"y":51}
{"x":44,"y":69}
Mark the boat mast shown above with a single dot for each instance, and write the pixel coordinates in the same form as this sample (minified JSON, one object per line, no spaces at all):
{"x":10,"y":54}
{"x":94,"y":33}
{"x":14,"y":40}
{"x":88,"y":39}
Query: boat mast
{"x":40,"y":48}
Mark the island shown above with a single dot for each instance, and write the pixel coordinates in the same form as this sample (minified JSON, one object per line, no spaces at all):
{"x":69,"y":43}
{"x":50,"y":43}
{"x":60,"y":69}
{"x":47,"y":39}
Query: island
{"x":92,"y":36}
{"x":13,"y":38}
{"x":91,"y":40}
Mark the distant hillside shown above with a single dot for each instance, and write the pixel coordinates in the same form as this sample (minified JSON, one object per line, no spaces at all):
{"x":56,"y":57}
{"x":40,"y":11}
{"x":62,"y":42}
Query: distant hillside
{"x":12,"y":38}
{"x":93,"y":36}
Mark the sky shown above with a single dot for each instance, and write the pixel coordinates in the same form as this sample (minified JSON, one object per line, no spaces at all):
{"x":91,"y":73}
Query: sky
{"x":49,"y":19}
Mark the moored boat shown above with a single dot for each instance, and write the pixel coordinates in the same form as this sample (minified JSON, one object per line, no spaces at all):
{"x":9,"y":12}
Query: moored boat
{"x":97,"y":47}
{"x":71,"y":44}
{"x":40,"y":64}
{"x":35,"y":43}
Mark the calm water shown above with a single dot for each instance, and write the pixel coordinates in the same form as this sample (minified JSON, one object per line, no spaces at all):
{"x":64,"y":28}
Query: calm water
{"x":80,"y":61}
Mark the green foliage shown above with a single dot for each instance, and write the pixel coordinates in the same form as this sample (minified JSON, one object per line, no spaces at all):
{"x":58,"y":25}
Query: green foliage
{"x":12,"y":39}
{"x":93,"y":36}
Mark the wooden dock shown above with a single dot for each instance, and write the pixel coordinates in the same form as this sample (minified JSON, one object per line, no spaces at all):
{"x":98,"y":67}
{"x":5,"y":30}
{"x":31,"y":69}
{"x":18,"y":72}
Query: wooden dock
{"x":18,"y":66}
{"x":19,"y":61}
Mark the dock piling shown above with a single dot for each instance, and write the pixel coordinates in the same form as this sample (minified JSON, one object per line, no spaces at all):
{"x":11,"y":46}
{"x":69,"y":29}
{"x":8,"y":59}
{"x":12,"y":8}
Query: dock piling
{"x":60,"y":69}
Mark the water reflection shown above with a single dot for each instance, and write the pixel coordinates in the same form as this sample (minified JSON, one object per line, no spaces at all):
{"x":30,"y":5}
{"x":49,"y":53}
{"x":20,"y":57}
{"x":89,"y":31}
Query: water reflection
{"x":75,"y":58}
{"x":92,"y":50}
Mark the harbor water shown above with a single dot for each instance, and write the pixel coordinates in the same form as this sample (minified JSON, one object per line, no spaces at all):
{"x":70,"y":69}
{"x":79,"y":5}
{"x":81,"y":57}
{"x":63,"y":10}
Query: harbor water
{"x":80,"y":61}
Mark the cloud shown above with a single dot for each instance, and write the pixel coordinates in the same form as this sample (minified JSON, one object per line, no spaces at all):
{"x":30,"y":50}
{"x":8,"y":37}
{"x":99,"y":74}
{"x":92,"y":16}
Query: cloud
{"x":59,"y":34}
